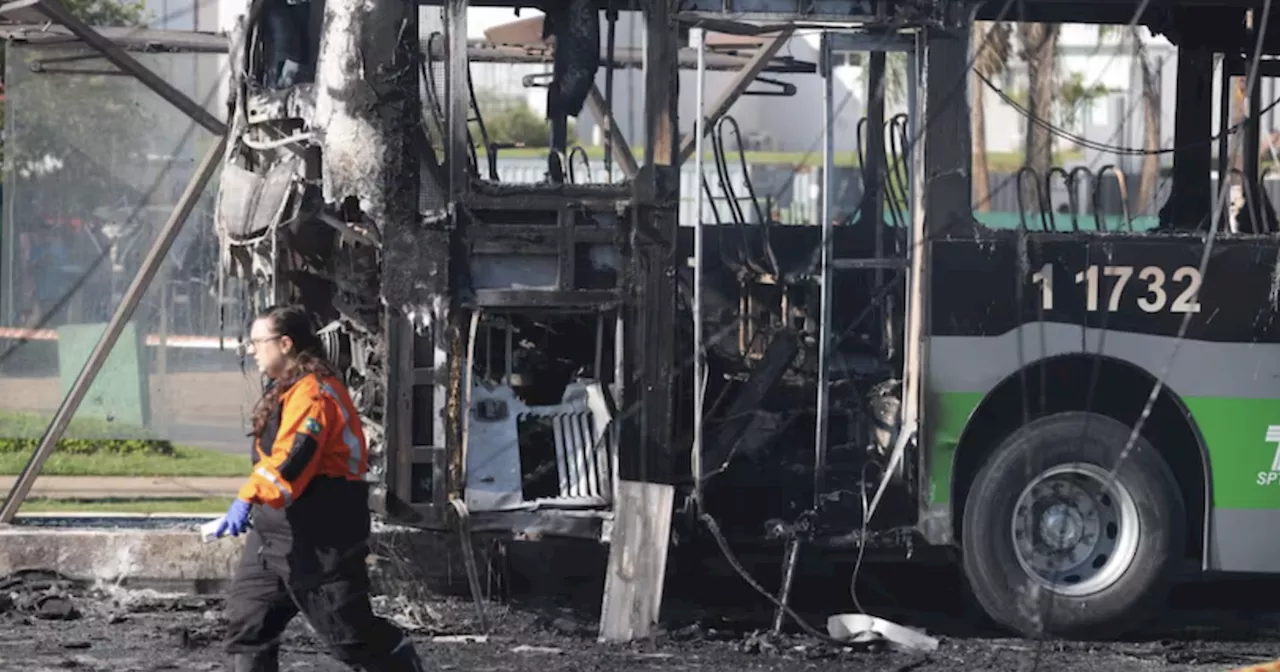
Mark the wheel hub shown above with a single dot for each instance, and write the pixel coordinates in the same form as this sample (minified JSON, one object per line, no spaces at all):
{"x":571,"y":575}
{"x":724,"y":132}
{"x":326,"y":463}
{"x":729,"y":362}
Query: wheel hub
{"x":1061,"y":527}
{"x":1075,"y":529}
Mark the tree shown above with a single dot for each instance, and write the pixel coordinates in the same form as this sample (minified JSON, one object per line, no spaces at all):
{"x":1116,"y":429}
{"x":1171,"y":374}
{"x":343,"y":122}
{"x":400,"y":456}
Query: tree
{"x":509,"y":120}
{"x":895,"y":79}
{"x":78,"y":136}
{"x":990,"y":44}
{"x":1039,"y":43}
{"x":1150,"y":123}
{"x":104,"y":13}
{"x":1235,"y":151}
{"x":1150,"y":114}
{"x":72,"y":142}
{"x":58,"y":112}
{"x":109,"y":12}
{"x":1074,"y":95}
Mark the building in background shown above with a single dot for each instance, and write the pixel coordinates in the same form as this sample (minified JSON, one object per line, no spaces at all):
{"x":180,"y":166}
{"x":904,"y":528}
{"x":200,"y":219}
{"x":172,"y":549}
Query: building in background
{"x":768,"y":123}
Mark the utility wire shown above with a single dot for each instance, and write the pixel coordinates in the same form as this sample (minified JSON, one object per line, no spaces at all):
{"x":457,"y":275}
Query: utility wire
{"x":1114,"y":149}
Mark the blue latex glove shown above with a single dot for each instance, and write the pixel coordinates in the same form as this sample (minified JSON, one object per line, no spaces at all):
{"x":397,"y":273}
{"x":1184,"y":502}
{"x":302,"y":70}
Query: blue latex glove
{"x":236,"y":522}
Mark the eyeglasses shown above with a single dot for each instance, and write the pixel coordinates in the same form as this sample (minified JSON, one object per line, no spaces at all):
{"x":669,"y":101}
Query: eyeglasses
{"x":255,"y":342}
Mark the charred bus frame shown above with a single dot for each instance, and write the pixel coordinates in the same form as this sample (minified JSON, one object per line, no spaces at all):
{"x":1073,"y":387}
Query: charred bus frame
{"x":407,"y":253}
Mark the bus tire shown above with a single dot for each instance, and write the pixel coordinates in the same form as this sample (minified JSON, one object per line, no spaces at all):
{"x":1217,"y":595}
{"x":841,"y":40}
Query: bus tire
{"x":1049,"y":548}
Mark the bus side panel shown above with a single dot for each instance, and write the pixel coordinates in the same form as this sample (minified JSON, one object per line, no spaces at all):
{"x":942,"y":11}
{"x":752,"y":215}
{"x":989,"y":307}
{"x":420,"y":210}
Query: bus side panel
{"x":1124,"y":297}
{"x":1243,"y":435}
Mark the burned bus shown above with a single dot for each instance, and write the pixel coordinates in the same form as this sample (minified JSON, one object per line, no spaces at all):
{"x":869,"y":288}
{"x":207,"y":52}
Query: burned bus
{"x":1077,"y":408}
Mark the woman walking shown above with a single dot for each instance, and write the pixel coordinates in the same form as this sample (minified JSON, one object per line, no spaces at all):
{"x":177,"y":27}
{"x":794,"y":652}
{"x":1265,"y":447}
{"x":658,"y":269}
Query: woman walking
{"x":308,"y":503}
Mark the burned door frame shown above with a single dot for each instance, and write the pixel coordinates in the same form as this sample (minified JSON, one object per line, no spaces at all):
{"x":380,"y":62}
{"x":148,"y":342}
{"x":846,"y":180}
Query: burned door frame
{"x":637,"y":219}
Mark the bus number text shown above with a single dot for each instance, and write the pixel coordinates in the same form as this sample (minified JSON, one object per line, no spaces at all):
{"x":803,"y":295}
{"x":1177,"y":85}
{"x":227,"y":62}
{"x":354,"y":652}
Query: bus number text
{"x":1157,"y":291}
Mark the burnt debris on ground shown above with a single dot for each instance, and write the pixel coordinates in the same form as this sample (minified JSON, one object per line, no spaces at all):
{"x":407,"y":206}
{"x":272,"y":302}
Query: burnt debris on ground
{"x":710,"y":622}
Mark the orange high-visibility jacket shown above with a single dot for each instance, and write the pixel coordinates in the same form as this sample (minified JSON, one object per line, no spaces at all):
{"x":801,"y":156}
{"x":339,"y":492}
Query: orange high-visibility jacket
{"x":319,"y":435}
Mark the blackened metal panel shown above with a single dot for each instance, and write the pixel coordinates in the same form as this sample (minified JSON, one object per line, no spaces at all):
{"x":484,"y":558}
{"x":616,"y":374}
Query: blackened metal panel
{"x":398,"y":433}
{"x":975,"y":285}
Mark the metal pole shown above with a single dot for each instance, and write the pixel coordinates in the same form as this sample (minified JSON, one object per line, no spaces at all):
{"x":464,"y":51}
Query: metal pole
{"x":611,"y":15}
{"x":789,"y":561}
{"x":918,"y":257}
{"x":824,"y":271}
{"x":646,"y":132}
{"x":1224,"y":121}
{"x":741,"y":81}
{"x":162,"y":353}
{"x":698,"y":37}
{"x":913,"y":100}
{"x":1252,"y":156}
{"x":457,"y":95}
{"x":124,"y":312}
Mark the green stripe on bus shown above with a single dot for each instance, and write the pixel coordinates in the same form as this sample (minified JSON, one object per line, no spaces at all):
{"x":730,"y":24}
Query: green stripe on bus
{"x":951,"y":414}
{"x":1244,"y":462}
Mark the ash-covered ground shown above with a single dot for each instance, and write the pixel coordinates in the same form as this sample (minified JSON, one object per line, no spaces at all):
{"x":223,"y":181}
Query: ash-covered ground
{"x":710,"y":622}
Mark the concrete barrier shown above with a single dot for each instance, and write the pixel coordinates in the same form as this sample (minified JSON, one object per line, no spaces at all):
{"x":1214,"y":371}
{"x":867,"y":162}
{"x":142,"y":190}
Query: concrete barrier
{"x":165,"y":552}
{"x":148,"y":553}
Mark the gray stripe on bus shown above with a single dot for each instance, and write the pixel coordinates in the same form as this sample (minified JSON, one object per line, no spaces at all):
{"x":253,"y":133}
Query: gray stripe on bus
{"x":1244,"y":540}
{"x":1201,"y":368}
{"x":1240,"y":540}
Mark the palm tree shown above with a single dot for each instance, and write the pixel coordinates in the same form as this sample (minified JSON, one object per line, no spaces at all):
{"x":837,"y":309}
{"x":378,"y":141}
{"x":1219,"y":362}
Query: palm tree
{"x":1039,"y":42}
{"x":990,"y":45}
{"x":1150,"y":175}
{"x":1150,"y":123}
{"x":1239,"y":113}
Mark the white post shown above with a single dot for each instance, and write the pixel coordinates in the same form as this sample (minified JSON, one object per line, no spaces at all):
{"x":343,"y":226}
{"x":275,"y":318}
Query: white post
{"x":824,"y":267}
{"x":698,"y":37}
{"x":918,"y":257}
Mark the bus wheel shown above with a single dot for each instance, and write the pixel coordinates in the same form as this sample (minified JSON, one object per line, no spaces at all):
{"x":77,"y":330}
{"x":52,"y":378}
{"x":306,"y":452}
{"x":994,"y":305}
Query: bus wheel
{"x":1054,"y":545}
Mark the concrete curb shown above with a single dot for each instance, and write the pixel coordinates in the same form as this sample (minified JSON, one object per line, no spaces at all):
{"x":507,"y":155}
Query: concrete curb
{"x":164,"y":551}
{"x":174,"y":558}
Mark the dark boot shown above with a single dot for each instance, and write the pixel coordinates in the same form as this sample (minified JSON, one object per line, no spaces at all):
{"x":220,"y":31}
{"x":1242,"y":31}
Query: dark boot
{"x":403,"y":658}
{"x":267,"y":660}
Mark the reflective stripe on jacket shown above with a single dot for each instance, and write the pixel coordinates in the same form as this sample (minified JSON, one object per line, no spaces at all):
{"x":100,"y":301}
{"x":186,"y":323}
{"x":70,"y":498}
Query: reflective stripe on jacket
{"x":317,"y":434}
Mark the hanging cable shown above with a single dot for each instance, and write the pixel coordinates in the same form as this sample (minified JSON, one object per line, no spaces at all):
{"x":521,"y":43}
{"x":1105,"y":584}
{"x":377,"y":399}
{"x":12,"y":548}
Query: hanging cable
{"x":1101,"y":147}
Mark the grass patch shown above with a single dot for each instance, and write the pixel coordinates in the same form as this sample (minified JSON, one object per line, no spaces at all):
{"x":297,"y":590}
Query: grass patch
{"x":95,"y":447}
{"x":212,"y":505}
{"x":999,"y":162}
{"x":21,"y":432}
{"x":182,"y":461}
